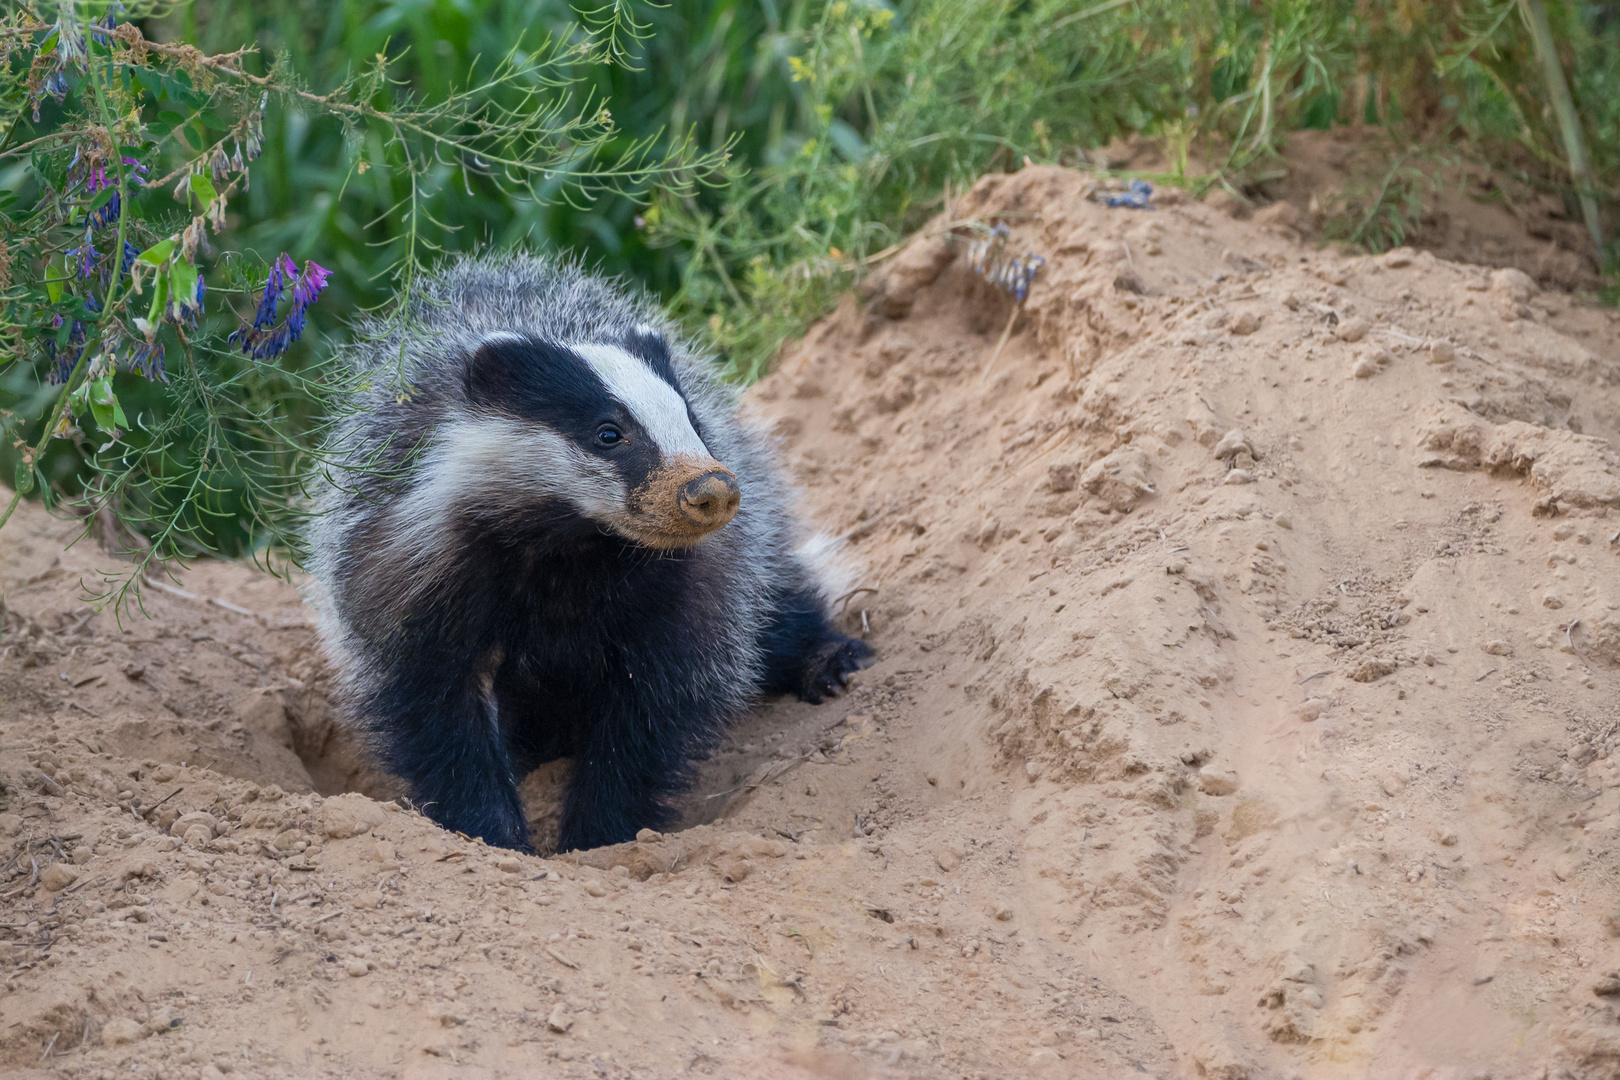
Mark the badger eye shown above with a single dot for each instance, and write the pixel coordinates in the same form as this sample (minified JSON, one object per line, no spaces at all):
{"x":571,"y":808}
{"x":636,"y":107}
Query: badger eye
{"x":608,"y":435}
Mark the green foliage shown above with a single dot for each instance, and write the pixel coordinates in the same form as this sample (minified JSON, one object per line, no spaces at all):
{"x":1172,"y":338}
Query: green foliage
{"x":1381,"y":211}
{"x":125,"y":154}
{"x":896,"y":106}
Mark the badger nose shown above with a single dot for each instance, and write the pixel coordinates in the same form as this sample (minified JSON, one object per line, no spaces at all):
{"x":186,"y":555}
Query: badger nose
{"x":711,"y":500}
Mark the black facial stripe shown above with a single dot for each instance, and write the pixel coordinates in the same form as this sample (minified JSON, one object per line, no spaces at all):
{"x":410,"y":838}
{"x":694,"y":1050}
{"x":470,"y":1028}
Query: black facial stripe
{"x":552,"y":385}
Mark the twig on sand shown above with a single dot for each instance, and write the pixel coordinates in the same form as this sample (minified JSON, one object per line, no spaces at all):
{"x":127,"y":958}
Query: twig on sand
{"x":214,"y":600}
{"x":1005,"y":334}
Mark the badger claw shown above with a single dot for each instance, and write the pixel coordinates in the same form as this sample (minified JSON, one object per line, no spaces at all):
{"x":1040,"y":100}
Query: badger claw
{"x":828,"y":671}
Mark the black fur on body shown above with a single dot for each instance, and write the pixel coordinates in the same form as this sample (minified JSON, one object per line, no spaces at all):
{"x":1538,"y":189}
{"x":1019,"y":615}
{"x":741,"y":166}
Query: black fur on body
{"x":498,"y":588}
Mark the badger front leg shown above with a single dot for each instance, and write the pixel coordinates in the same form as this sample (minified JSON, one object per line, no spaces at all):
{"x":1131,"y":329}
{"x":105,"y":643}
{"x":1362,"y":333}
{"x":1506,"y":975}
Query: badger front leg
{"x":804,"y":655}
{"x":637,"y":757}
{"x":439,"y":727}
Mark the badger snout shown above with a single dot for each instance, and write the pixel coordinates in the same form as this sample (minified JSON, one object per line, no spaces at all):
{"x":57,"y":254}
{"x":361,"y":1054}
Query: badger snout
{"x":710,"y":500}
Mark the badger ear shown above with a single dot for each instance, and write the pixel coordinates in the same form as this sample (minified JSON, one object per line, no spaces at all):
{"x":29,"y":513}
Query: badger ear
{"x":494,"y":371}
{"x":648,"y":345}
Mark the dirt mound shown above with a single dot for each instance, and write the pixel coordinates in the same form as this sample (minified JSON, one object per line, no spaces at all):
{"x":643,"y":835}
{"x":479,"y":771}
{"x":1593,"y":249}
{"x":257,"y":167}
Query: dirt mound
{"x":1248,"y":642}
{"x":1469,"y":211}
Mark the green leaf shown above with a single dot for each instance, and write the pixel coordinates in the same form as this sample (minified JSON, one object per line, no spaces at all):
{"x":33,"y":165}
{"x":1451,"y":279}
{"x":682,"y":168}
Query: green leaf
{"x":160,"y":297}
{"x":104,"y":406}
{"x":55,"y":275}
{"x":203,"y":188}
{"x":158,"y":253}
{"x":23,"y":479}
{"x":183,"y":282}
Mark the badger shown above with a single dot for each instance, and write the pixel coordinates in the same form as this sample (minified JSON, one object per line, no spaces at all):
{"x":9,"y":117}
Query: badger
{"x":545,"y":532}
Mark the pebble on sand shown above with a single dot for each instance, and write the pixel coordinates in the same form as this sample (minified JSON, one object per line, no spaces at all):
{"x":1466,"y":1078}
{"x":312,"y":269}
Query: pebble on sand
{"x":58,"y":876}
{"x":1352,"y":329}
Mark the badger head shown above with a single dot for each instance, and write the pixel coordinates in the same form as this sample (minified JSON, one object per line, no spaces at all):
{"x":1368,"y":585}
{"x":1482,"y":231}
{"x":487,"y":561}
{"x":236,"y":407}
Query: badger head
{"x":603,"y":427}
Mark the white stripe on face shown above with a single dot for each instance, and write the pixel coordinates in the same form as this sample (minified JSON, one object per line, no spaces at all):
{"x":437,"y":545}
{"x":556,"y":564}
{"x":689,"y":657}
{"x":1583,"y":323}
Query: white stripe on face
{"x":503,"y":464}
{"x":652,"y":401}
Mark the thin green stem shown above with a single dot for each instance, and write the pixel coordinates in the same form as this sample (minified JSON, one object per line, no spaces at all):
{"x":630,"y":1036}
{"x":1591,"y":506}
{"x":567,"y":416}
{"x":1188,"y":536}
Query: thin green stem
{"x":93,"y":339}
{"x":1569,"y":121}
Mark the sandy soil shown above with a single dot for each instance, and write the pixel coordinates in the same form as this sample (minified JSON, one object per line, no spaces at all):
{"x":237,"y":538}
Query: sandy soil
{"x":1249,"y":640}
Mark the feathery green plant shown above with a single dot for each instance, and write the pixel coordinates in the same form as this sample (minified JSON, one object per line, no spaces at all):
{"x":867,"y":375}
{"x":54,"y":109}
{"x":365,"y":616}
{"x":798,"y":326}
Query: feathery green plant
{"x":124,"y":155}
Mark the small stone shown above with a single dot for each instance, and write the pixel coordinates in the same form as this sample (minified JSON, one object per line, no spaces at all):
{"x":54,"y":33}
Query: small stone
{"x":1283,"y":521}
{"x":197,"y":836}
{"x":1004,"y":914}
{"x":1312,"y":709}
{"x":649,"y":836}
{"x":1441,"y":352}
{"x":1238,"y":476}
{"x":1365,"y":367}
{"x":735,"y":869}
{"x":121,"y":1030}
{"x":82,"y":855}
{"x":1498,"y":648}
{"x":1245,"y":324}
{"x":948,"y":858}
{"x":1232,"y":444}
{"x":1217,"y":782}
{"x":1513,"y":283}
{"x":511,"y":865}
{"x":196,"y":819}
{"x":595,"y":888}
{"x":559,"y":1020}
{"x":1608,"y":986}
{"x":1044,"y":1055}
{"x":1552,"y":601}
{"x":58,"y":876}
{"x":10,"y":824}
{"x":1393,"y":785}
{"x":1352,"y":329}
{"x":384,"y":853}
{"x":356,"y":967}
{"x":350,"y":814}
{"x":1398,"y":258}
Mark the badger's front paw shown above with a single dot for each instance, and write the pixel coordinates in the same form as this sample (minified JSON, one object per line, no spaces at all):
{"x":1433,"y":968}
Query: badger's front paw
{"x":829,"y":668}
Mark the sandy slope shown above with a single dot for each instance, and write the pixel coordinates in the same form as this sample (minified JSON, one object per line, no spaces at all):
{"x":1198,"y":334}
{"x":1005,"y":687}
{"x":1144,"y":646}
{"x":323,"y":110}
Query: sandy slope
{"x":1161,"y":771}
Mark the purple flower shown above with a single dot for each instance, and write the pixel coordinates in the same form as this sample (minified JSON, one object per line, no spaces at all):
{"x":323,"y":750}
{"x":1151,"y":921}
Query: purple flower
{"x":66,"y":359}
{"x":264,"y":339}
{"x":87,"y":255}
{"x":147,"y":359}
{"x":274,"y":286}
{"x":306,"y":290}
{"x":107,"y":213}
